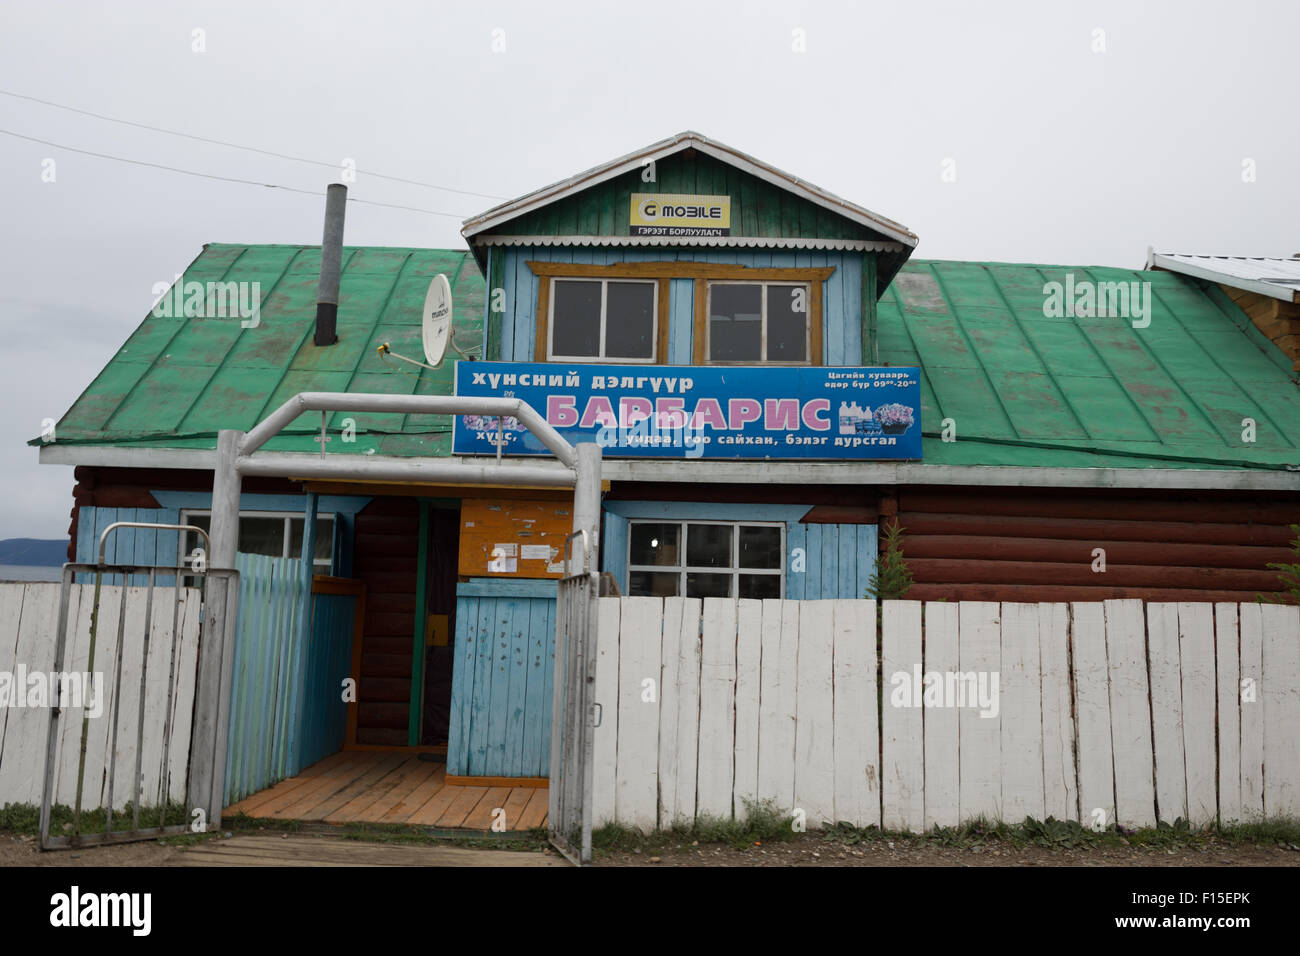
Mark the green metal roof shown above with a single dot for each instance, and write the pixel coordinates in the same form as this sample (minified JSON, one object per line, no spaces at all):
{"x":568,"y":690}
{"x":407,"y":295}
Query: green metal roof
{"x":1026,"y":389}
{"x":1022,"y":388}
{"x":176,"y":382}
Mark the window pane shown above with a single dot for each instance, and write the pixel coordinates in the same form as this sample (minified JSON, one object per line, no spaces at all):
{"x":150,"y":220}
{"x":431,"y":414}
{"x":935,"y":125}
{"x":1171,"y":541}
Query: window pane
{"x":653,"y":584}
{"x":324,"y":551}
{"x":708,"y":545}
{"x":576,"y":318}
{"x":630,"y":320}
{"x":787,"y":326}
{"x":708,"y":585}
{"x":193,"y":540}
{"x":760,"y":546}
{"x":760,"y":585}
{"x":655,"y":544}
{"x":735,"y":323}
{"x":262,"y":536}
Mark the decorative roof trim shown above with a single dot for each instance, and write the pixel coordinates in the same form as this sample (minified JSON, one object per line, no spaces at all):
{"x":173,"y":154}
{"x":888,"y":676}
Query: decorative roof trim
{"x":675,"y":144}
{"x":758,"y":242}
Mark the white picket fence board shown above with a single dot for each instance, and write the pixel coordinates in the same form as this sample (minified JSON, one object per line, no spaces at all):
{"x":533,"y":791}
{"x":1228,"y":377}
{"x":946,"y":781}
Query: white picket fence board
{"x":717,"y":708}
{"x":1252,"y":712}
{"x":814,"y":769}
{"x":857,"y":790}
{"x":1130,"y":714}
{"x":979,"y":651}
{"x":1281,"y":668}
{"x":637,"y":793}
{"x":1021,"y":715}
{"x":749,"y":651}
{"x":1092,"y":714}
{"x":11,"y":612}
{"x":902,"y":785}
{"x":1060,"y":784}
{"x":1228,"y":695}
{"x":778,"y":678}
{"x":1167,"y":710}
{"x":604,"y":739}
{"x":1196,"y":655}
{"x":688,"y":708}
{"x":23,"y":765}
{"x":669,"y":689}
{"x":942,"y":760}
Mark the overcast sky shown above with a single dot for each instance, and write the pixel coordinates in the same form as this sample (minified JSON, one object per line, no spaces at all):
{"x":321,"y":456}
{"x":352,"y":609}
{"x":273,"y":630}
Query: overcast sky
{"x":1079,"y":134}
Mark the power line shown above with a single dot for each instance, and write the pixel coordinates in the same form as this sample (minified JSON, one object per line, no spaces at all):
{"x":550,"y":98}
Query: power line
{"x":224,"y":179}
{"x":251,"y":149}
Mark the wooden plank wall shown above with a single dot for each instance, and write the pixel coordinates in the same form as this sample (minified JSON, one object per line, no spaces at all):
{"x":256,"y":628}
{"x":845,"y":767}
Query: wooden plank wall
{"x":841,"y":298}
{"x":1021,"y":544}
{"x":1099,"y":712}
{"x":28,"y":632}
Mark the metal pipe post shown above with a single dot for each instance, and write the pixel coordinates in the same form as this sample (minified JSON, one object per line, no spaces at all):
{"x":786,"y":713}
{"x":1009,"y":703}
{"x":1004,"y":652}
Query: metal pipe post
{"x":216,"y":650}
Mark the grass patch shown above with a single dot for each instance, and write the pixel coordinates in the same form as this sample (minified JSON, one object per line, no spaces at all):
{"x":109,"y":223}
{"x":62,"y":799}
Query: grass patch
{"x":1069,"y":835}
{"x":763,"y":823}
{"x":26,"y":818}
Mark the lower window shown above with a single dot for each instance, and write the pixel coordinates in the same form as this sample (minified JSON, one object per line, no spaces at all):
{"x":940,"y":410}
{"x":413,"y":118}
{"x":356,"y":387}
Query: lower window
{"x":278,"y":534}
{"x":706,"y":559}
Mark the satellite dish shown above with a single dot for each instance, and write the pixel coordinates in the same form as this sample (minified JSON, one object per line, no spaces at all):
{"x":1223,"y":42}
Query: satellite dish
{"x":437,"y":319}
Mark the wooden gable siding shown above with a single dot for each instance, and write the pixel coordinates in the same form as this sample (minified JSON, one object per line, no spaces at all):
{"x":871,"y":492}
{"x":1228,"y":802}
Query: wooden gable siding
{"x":1023,"y":544}
{"x":512,"y":333}
{"x":758,"y":208}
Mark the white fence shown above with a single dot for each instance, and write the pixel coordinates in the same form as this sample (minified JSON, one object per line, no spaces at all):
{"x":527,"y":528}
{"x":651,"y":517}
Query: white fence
{"x":1113,"y":712}
{"x":28,"y":626}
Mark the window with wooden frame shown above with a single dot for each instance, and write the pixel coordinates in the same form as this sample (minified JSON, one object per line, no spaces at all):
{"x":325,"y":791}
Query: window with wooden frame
{"x":608,"y":314}
{"x":590,"y":313}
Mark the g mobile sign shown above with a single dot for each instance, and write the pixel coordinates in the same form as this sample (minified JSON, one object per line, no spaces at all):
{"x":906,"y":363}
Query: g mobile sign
{"x":673,"y":215}
{"x":700,"y":411}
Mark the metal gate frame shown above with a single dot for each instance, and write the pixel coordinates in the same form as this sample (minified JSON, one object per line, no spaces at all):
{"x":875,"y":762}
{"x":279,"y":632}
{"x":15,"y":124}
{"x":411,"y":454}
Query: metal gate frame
{"x":573,"y":713}
{"x":135,"y":831}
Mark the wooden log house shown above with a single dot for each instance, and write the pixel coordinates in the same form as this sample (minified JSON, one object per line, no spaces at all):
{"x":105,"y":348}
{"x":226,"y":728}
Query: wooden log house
{"x":1043,"y":438}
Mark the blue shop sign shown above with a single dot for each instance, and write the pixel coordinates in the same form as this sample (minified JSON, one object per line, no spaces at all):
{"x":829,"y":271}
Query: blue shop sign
{"x":700,"y":411}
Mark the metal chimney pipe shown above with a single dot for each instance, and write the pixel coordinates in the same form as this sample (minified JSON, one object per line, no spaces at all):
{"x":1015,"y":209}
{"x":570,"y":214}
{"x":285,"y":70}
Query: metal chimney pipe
{"x":331,"y":261}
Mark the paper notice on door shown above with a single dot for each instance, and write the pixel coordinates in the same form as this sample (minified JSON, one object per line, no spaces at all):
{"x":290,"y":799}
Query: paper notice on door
{"x":536,"y":552}
{"x":556,"y":568}
{"x":508,"y":550}
{"x":503,"y":565}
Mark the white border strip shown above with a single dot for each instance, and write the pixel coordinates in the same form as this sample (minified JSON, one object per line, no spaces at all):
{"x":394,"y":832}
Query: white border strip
{"x":760,"y":472}
{"x":761,"y":242}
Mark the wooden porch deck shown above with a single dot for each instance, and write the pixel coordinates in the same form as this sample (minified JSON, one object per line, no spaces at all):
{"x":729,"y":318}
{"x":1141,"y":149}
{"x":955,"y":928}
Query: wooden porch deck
{"x":369,"y":787}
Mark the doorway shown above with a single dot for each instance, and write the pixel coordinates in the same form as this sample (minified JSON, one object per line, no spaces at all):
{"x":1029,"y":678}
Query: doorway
{"x":436,"y":607}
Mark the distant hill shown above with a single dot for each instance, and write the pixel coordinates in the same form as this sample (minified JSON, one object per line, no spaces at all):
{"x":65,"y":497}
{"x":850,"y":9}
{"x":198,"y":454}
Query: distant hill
{"x":34,"y":552}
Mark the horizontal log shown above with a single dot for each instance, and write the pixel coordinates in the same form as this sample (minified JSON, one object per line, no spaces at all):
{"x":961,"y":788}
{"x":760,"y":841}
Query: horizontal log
{"x":1033,"y":593}
{"x":942,"y":570}
{"x":1071,"y":550}
{"x":375,"y":690}
{"x":370,"y":561}
{"x":391,"y":716}
{"x":1091,"y":529}
{"x":399,"y":525}
{"x":840,"y":514}
{"x":121,"y":496}
{"x":1275,"y":508}
{"x":385,"y":665}
{"x":381,"y":623}
{"x":381,"y":736}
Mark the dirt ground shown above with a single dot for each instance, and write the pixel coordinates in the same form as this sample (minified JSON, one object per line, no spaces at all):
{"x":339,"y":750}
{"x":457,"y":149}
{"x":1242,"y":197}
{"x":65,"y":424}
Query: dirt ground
{"x":807,"y":850}
{"x":813,"y":850}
